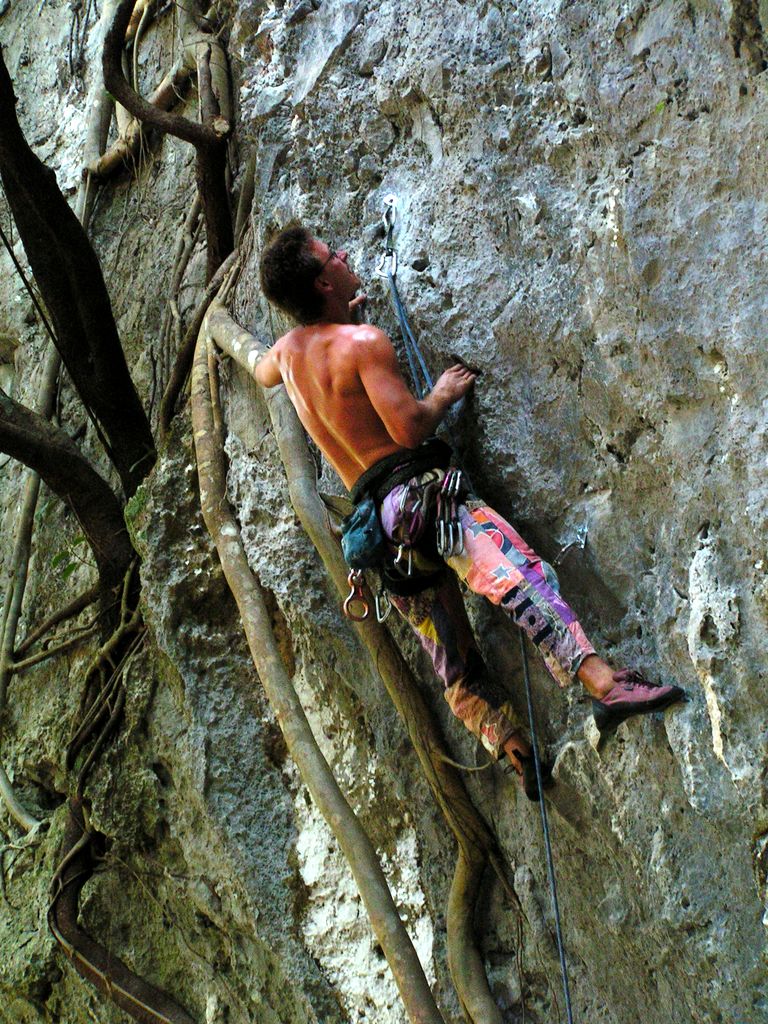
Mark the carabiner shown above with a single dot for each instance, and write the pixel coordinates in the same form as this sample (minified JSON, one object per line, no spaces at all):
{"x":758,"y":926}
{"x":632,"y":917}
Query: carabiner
{"x":460,"y":528}
{"x":387,"y":264}
{"x":381,"y":600}
{"x":355,"y":581}
{"x":402,"y":552}
{"x":404,"y":496}
{"x":390,"y":215}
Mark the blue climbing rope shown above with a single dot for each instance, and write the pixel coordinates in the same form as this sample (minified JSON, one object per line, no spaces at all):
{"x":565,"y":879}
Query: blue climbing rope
{"x":412,"y":350}
{"x":387,"y":268}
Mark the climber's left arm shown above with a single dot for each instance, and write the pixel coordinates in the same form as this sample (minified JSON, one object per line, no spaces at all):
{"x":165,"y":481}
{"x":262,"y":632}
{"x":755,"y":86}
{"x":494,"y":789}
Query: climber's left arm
{"x":267,"y":370}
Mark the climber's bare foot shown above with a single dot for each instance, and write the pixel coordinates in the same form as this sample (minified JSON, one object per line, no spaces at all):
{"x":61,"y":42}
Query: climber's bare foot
{"x":514,"y":745}
{"x":596,"y":676}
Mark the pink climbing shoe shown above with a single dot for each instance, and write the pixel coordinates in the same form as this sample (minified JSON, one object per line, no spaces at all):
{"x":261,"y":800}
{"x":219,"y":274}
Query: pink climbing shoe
{"x":633,"y":694}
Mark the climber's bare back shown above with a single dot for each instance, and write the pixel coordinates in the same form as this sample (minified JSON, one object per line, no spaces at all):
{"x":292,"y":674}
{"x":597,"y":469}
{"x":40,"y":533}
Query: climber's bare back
{"x":328,"y":371}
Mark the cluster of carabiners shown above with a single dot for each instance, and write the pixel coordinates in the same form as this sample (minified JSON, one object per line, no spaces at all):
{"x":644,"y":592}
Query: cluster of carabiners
{"x":450,"y":535}
{"x":413,"y":520}
{"x":404,"y":558}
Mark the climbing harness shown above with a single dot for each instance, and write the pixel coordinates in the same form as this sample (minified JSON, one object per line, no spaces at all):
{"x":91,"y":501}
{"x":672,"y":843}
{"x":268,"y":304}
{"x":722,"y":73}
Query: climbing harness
{"x":387,"y":268}
{"x":545,"y":828}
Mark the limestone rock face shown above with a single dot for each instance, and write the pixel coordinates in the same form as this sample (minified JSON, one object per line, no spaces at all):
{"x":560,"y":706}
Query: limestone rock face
{"x":581,"y":214}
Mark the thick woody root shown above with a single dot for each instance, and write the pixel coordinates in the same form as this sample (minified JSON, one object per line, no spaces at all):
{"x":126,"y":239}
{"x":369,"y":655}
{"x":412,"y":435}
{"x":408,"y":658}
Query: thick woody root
{"x":183,"y":362}
{"x":51,"y":452}
{"x":69,"y":611}
{"x":96,"y":134}
{"x":245,"y":201}
{"x":209,"y":136}
{"x":477,"y":845}
{"x":172,"y":326}
{"x":20,"y":814}
{"x":72,"y":286}
{"x":464,"y":959}
{"x":314,"y":769}
{"x":114,"y":979}
{"x":124,"y":151}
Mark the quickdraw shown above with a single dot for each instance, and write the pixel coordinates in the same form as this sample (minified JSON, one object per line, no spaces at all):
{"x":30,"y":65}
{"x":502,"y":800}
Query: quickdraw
{"x":450,"y":535}
{"x":387,"y":264}
{"x":387,"y":268}
{"x":404,"y":560}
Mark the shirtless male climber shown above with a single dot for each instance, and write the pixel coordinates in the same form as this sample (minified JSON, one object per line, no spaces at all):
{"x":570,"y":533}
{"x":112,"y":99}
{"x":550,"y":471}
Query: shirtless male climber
{"x":345,"y":383}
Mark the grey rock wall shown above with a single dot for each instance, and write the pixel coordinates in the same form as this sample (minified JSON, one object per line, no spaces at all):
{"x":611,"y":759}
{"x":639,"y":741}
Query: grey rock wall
{"x":582,"y":215}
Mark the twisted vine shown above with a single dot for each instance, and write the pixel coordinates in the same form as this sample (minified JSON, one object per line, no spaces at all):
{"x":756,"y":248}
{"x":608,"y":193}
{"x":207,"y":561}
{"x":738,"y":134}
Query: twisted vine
{"x":314,"y":769}
{"x":477,"y":847}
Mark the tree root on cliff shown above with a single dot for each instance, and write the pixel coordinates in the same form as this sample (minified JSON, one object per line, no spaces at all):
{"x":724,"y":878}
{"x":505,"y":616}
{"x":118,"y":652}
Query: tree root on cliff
{"x":103,"y":693}
{"x":90,"y":958}
{"x":14,"y":596}
{"x":124,"y":151}
{"x":209,"y":136}
{"x":69,"y":611}
{"x":172,"y":326}
{"x":183,"y":362}
{"x":477,"y":845}
{"x":314,"y":769}
{"x":111,"y":860}
{"x":31,"y":840}
{"x":52,"y":651}
{"x":62,"y":258}
{"x":26,"y":821}
{"x":97,"y":126}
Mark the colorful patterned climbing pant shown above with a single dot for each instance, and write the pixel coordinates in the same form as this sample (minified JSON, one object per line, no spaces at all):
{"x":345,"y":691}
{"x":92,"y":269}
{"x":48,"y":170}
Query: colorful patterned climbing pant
{"x":497,"y":563}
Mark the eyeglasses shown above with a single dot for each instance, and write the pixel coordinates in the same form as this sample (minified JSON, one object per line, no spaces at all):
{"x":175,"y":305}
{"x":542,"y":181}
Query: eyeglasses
{"x":332,"y":255}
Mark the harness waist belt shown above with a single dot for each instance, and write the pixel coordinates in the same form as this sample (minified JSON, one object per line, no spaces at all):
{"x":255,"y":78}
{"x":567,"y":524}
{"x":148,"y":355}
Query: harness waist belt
{"x":379,"y":479}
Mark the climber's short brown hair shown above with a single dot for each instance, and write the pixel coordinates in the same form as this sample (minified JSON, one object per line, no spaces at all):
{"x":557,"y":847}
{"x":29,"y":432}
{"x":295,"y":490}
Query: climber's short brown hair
{"x":288,"y":272}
